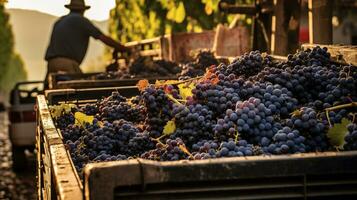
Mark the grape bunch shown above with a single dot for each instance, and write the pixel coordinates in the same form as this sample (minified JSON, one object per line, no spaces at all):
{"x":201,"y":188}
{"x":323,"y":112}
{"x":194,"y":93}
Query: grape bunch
{"x":287,"y":141}
{"x":219,"y":97}
{"x":275,"y":97}
{"x":307,"y":123}
{"x":202,"y":60}
{"x":158,"y":110}
{"x":251,"y":119}
{"x":194,"y":122}
{"x":65,"y":120}
{"x":170,"y":151}
{"x":247,"y":65}
{"x":351,"y":137}
{"x":122,"y":110}
{"x":140,"y":143}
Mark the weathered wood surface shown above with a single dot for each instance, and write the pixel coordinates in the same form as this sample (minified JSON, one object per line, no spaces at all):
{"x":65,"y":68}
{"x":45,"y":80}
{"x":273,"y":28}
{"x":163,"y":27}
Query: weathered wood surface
{"x":145,"y":179}
{"x":320,"y":21}
{"x":58,"y":174}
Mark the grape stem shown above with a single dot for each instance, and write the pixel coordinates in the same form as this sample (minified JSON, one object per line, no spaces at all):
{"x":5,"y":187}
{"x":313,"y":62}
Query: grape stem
{"x":353,"y":104}
{"x":173,"y":99}
{"x":185,"y":150}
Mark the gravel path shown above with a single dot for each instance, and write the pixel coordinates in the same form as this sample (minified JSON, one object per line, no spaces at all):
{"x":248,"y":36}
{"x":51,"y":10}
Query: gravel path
{"x":16,"y":186}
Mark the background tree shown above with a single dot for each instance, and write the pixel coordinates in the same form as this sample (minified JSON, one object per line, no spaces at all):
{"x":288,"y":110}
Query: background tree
{"x":11,"y":66}
{"x":134,"y":20}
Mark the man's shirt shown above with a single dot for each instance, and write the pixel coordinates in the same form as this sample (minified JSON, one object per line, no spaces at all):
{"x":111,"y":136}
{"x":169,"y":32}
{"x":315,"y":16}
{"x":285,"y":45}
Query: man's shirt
{"x":70,"y":37}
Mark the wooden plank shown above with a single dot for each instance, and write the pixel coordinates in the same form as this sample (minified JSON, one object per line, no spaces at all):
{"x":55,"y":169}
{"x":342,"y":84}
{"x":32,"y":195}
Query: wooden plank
{"x":182,"y":44}
{"x":320,"y":21}
{"x":100,"y":179}
{"x":231,"y":42}
{"x":285,"y":27}
{"x":57,"y":165}
{"x":339,"y":53}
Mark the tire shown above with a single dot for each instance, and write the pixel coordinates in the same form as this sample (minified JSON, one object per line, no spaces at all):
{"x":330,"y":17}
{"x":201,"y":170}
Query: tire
{"x":19,"y":160}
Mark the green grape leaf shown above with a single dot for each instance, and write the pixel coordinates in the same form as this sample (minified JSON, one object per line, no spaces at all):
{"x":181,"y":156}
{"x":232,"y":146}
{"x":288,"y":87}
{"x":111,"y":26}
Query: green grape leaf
{"x":81,"y":118}
{"x":337,"y":133}
{"x":169,"y":128}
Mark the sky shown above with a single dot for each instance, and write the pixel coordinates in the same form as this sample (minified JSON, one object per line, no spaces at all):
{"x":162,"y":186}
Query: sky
{"x":99,"y":8}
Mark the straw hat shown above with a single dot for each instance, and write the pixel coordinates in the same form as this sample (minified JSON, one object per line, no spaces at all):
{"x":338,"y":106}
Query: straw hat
{"x":77,"y":5}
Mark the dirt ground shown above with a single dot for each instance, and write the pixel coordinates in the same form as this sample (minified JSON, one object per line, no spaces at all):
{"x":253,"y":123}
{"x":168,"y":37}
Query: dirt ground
{"x":16,"y":186}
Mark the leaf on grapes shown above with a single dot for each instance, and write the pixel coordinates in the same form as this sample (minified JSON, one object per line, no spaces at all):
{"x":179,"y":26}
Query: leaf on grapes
{"x":169,"y":128}
{"x":82,"y":118}
{"x":186,"y":90}
{"x":142,"y":84}
{"x":337,"y":133}
{"x":296,"y":113}
{"x":58,"y":110}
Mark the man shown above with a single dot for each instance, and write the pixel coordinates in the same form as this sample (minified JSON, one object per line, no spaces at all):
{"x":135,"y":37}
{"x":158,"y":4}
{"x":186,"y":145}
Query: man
{"x":70,"y":37}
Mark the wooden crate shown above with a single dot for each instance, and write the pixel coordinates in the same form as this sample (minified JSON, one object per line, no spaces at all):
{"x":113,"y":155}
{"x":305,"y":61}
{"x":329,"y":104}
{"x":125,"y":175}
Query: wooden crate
{"x":181,"y":44}
{"x":299,"y":176}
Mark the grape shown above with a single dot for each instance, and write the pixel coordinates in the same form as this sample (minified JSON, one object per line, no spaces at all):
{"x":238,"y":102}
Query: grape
{"x":351,"y":137}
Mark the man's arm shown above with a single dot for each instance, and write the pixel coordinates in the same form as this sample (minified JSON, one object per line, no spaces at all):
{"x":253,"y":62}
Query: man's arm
{"x":112,"y":43}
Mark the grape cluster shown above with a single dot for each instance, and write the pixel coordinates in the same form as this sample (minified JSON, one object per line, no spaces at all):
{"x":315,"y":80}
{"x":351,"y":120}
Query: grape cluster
{"x":146,"y":67}
{"x":307,"y":123}
{"x":317,"y":56}
{"x":218,"y":97}
{"x":90,"y":109}
{"x":93,"y":142}
{"x":139,"y":144}
{"x":313,"y":84}
{"x":202,"y":60}
{"x":247,"y":65}
{"x":287,"y":141}
{"x":194,"y":122}
{"x":251,"y":119}
{"x":122,"y":110}
{"x":351,"y":137}
{"x":65,"y":120}
{"x":170,"y":151}
{"x":158,"y":110}
{"x":275,"y":97}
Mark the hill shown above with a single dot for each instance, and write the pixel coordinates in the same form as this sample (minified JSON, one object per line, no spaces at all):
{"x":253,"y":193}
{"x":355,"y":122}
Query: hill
{"x":32,"y":31}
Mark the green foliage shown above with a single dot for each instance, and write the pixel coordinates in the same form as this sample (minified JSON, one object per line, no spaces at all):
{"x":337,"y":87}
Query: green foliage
{"x":337,"y":133}
{"x":15,"y":72}
{"x":134,"y":20}
{"x":6,"y":41}
{"x":11,"y":65}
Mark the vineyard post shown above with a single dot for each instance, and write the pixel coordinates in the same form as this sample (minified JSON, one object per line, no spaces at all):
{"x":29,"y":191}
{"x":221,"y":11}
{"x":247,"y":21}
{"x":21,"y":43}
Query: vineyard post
{"x":320,"y":21}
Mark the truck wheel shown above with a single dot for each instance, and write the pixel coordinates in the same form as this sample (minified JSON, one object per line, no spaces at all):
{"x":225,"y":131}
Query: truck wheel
{"x":19,"y":160}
